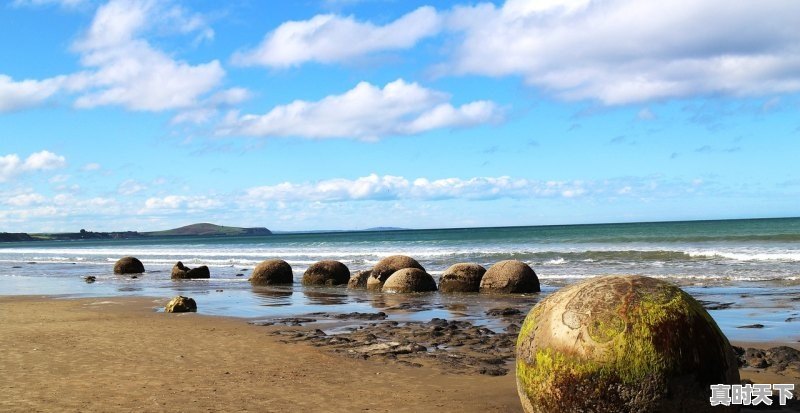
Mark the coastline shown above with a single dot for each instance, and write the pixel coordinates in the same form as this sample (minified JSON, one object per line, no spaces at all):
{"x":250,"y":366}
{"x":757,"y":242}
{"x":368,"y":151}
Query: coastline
{"x":102,"y":353}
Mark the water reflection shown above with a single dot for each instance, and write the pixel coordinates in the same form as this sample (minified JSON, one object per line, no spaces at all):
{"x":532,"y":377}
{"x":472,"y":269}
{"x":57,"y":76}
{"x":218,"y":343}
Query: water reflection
{"x":324,"y":297}
{"x":273,"y":296}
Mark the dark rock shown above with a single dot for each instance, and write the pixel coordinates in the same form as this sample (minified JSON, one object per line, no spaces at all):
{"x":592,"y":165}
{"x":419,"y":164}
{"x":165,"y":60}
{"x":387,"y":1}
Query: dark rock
{"x":409,"y":280}
{"x":326,"y":272}
{"x":503,"y":312}
{"x":752,"y":326}
{"x":181,"y":304}
{"x":510,"y":276}
{"x":359,"y":280}
{"x":182,"y":272}
{"x":462,"y":278}
{"x":272,"y":272}
{"x":90,"y":279}
{"x":240,"y":275}
{"x":754,"y":357}
{"x":387,"y":266}
{"x":128,"y":265}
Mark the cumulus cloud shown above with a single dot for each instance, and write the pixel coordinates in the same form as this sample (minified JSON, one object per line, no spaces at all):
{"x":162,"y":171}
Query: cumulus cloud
{"x":387,"y":187}
{"x":16,"y":95}
{"x":365,"y":112}
{"x":625,"y":51}
{"x":330,"y":38}
{"x":12,"y":165}
{"x":179,"y":203}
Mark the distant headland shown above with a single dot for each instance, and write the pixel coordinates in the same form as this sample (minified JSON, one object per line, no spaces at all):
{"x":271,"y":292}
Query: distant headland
{"x":198,"y":230}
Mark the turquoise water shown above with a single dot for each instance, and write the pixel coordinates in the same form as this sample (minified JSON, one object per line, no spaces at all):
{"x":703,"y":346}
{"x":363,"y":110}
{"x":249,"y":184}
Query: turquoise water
{"x":718,"y":259}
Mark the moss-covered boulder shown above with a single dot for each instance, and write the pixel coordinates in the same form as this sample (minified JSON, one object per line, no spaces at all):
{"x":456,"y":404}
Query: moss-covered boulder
{"x":462,"y":278}
{"x":359,"y":280}
{"x":271,"y":272}
{"x":182,"y":272}
{"x":387,"y":266}
{"x":510,"y":276}
{"x":181,"y":304}
{"x":326,"y":272}
{"x":128,"y":265}
{"x":409,"y":280}
{"x":621,"y":344}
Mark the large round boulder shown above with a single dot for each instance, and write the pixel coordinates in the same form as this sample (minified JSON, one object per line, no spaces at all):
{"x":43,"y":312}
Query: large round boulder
{"x":509,"y":276}
{"x":409,"y":280}
{"x":128,"y":265}
{"x":462,"y":278}
{"x":272,"y":272}
{"x":359,"y":280}
{"x":182,"y":272}
{"x":181,"y":304}
{"x":326,"y":272}
{"x":387,"y":266}
{"x":621,"y":344}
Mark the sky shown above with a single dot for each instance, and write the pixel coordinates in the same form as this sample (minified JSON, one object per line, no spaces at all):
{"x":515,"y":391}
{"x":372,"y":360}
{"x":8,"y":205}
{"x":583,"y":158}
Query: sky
{"x":349,"y":114}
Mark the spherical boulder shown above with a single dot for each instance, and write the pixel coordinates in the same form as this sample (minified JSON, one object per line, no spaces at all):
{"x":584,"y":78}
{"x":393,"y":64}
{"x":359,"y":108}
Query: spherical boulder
{"x":359,"y":280}
{"x":387,"y":266}
{"x":181,"y":304}
{"x":509,"y":276}
{"x":462,"y":278}
{"x":326,"y":272}
{"x":182,"y":272}
{"x":409,"y":280}
{"x":621,"y":344}
{"x":128,"y":265}
{"x":272,"y":272}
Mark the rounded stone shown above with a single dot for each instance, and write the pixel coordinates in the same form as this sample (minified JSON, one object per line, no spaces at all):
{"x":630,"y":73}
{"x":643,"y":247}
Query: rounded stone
{"x":461,"y":278}
{"x":181,"y":304}
{"x":509,"y":276}
{"x":409,"y":280}
{"x":359,"y":280}
{"x":182,"y":272}
{"x":128,"y":265}
{"x":621,"y":344}
{"x":326,"y":272}
{"x":272,"y":272}
{"x":387,"y":266}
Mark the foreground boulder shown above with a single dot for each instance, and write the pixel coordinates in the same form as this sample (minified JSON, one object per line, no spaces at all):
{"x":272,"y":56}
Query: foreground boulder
{"x":326,"y":272}
{"x":387,"y":266}
{"x":462,"y":278}
{"x":272,"y":272}
{"x":409,"y":280}
{"x":182,"y":272}
{"x":359,"y":280}
{"x":128,"y":265}
{"x":510,"y":276}
{"x":181,"y":304}
{"x":621,"y":344}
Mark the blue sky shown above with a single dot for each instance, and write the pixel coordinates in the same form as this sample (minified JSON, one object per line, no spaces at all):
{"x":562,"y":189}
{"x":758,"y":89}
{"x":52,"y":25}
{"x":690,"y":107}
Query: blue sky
{"x":345,"y":114}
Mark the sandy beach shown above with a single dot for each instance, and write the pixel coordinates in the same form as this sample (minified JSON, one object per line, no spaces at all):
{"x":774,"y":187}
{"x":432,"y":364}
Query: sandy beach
{"x":121,"y":354}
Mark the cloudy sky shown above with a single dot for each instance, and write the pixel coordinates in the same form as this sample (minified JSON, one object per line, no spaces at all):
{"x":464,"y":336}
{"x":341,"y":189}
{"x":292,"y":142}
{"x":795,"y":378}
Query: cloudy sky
{"x":343,"y":114}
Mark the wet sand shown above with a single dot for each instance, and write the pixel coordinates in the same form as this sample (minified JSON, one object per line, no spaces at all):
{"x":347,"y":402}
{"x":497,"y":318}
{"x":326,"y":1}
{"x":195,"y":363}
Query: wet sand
{"x":118,"y":353}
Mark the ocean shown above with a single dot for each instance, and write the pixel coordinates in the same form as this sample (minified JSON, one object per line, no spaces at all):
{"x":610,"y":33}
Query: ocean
{"x":745,"y":264}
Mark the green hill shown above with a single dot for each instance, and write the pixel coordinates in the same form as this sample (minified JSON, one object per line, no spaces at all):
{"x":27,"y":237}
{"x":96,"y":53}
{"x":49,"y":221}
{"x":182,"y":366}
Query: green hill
{"x":206,"y":229}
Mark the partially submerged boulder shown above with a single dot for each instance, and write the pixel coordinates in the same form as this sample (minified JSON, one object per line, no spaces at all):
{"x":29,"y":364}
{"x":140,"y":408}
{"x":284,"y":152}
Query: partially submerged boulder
{"x":359,"y":280}
{"x":462,"y":278}
{"x":271,"y":272}
{"x":621,"y":344}
{"x":128,"y":265}
{"x":409,"y":280}
{"x":182,"y":272}
{"x":509,"y":276}
{"x":181,"y":304}
{"x":387,"y":266}
{"x":327,"y":272}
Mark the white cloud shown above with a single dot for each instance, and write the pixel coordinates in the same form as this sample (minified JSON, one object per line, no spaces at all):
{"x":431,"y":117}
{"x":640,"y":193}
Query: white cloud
{"x":387,"y":187}
{"x":92,"y":166}
{"x":179,"y":203}
{"x":62,"y":3}
{"x":130,"y":187}
{"x":25,"y":199}
{"x":16,"y":95}
{"x":625,"y":51}
{"x":12,"y":165}
{"x":365,"y":112}
{"x":330,"y":38}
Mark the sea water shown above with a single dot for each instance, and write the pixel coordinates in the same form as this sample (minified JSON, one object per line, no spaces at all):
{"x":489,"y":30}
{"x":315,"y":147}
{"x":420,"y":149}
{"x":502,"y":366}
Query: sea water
{"x":752,"y":266}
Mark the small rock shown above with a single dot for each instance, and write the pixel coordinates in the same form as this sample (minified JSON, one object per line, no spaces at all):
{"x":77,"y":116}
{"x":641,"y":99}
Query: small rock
{"x":90,"y":279}
{"x":752,"y":326}
{"x":181,"y":304}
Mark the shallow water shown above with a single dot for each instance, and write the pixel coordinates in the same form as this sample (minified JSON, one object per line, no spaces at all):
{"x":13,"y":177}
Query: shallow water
{"x":752,"y":266}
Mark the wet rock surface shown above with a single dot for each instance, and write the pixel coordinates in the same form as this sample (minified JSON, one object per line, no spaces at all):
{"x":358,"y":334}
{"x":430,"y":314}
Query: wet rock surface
{"x":782,"y":359}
